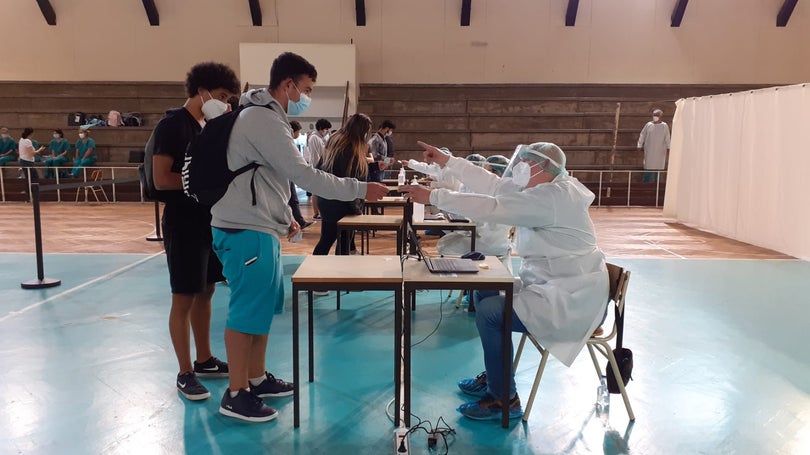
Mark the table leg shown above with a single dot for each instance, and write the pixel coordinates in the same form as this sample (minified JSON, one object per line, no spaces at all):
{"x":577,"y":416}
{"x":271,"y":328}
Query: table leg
{"x":472,"y":239}
{"x":407,"y":357}
{"x":507,"y":358}
{"x":311,"y":315}
{"x":296,"y":379}
{"x":397,"y":357}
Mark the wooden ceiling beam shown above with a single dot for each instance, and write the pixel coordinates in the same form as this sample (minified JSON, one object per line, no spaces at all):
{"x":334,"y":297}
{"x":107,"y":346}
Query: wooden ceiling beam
{"x":151,"y":12}
{"x":47,"y":11}
{"x":784,"y":13}
{"x":571,"y":13}
{"x":677,"y":13}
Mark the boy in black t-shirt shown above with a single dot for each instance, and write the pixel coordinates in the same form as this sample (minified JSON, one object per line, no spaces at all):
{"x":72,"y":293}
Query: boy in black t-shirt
{"x":193,"y":267}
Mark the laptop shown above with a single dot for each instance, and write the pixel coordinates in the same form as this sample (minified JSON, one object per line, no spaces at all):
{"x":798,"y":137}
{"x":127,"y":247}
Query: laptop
{"x":442,"y":265}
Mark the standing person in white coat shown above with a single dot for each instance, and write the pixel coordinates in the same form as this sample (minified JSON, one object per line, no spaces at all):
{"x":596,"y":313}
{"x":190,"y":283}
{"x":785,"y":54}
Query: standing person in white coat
{"x":654,"y":140}
{"x":561,"y":294}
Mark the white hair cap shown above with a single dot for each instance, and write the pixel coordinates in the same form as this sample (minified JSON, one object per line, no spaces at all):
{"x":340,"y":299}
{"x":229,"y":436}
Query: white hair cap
{"x":549,"y":156}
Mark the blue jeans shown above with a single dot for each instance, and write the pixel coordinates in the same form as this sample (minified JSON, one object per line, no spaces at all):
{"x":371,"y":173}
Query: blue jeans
{"x":489,"y":319}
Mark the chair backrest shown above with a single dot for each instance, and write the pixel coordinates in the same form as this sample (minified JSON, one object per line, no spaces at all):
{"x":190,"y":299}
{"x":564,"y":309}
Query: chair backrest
{"x":618,"y":278}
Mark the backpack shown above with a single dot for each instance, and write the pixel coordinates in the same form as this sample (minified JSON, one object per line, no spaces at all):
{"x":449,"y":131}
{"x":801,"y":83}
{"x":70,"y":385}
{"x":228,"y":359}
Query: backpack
{"x":131,"y":119}
{"x":206,"y":175}
{"x":145,"y":174}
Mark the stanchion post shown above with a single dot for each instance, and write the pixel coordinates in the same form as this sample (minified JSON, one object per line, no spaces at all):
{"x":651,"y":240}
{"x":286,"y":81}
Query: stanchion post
{"x":157,"y":237}
{"x":41,"y":282}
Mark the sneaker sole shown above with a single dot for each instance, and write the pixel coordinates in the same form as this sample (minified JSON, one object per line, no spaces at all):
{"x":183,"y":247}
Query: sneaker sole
{"x":201,"y":374}
{"x":197,"y":397}
{"x":275,"y":395}
{"x":228,"y":413}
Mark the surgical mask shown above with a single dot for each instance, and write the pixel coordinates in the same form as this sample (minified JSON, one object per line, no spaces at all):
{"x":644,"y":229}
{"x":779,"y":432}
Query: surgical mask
{"x":522,"y":173}
{"x":213,"y":108}
{"x":389,"y":134}
{"x":656,"y":118}
{"x":55,"y":136}
{"x":326,"y":137}
{"x":298,"y":107}
{"x":4,"y":136}
{"x":82,"y":135}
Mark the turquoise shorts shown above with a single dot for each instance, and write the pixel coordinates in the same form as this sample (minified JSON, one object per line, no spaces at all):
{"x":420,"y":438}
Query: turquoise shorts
{"x":251,"y":262}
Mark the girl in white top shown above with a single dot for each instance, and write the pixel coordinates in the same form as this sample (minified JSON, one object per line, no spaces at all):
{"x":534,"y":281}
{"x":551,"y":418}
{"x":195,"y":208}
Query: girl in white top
{"x":27,"y":151}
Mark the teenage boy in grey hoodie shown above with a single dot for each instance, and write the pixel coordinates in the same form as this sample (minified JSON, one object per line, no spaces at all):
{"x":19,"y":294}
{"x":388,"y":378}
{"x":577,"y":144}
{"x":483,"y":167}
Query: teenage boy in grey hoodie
{"x":246,"y":233}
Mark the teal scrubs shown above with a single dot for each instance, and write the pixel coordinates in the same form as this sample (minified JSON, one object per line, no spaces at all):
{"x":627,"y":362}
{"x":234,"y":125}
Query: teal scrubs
{"x":8,"y":145}
{"x":60,"y":154}
{"x":82,"y":146}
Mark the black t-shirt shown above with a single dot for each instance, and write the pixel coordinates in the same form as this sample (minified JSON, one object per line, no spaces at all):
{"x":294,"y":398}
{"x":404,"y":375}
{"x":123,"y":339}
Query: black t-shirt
{"x":172,"y":135}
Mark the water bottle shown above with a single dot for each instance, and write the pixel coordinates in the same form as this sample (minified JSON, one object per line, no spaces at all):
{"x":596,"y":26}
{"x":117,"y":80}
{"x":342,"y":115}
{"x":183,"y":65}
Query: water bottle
{"x":602,"y":397}
{"x":401,"y":176}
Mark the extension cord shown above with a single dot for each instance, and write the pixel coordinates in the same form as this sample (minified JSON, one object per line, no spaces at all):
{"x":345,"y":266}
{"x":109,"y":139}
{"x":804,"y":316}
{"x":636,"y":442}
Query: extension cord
{"x":402,"y":444}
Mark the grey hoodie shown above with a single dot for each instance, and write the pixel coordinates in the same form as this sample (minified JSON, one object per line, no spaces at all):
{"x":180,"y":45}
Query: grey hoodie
{"x":264,"y":136}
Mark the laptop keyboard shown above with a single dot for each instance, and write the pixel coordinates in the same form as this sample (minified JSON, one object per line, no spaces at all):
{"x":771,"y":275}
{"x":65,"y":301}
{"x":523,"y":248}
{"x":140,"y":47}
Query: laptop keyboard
{"x":443,"y":264}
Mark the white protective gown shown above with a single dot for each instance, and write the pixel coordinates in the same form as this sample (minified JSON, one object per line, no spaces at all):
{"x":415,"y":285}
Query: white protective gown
{"x":654,"y":139}
{"x":562,"y":290}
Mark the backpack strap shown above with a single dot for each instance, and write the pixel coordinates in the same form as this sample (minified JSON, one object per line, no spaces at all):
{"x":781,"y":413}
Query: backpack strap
{"x":250,"y":166}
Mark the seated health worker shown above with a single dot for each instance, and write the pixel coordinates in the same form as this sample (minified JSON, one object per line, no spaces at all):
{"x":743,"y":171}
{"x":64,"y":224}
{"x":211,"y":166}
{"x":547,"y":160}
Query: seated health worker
{"x":561,"y":291}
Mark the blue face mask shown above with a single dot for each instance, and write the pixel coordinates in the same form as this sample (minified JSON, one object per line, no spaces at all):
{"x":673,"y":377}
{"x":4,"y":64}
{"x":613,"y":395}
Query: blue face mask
{"x":298,"y":107}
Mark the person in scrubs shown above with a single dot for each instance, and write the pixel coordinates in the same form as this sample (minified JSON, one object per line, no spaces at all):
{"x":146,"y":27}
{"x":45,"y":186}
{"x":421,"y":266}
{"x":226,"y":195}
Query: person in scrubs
{"x":85,"y":152}
{"x":60,"y":151}
{"x":561,"y":294}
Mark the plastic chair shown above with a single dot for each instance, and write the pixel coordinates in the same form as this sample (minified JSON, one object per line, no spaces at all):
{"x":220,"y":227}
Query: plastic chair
{"x":95,"y":176}
{"x":598,"y":342}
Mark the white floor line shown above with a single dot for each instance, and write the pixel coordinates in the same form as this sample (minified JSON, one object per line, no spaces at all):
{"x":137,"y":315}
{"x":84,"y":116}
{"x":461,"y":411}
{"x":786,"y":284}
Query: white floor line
{"x":664,"y":249}
{"x":76,"y":288}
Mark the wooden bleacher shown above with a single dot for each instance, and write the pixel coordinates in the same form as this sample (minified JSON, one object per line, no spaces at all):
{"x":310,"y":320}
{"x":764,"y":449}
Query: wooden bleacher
{"x":485,"y":119}
{"x":493,"y":119}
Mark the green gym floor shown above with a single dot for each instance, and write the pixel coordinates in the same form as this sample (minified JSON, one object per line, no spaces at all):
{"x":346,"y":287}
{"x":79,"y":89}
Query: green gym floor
{"x":720,"y":367}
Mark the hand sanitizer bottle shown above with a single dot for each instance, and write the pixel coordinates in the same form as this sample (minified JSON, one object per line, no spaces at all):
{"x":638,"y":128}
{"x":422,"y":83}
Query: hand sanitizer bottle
{"x":401,"y":176}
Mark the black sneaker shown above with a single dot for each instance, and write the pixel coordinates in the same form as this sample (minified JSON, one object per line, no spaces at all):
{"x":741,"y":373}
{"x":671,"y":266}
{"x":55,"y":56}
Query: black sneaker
{"x":272,"y":387}
{"x":211,"y":368}
{"x":190,"y":387}
{"x":246,"y":406}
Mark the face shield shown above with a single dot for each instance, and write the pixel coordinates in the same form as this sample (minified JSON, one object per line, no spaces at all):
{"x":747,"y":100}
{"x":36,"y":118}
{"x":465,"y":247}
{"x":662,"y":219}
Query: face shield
{"x":546,"y":156}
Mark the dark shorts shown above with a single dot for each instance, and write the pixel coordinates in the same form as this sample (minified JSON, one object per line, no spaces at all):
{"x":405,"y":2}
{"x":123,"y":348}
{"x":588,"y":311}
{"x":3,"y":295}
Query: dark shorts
{"x":187,"y":240}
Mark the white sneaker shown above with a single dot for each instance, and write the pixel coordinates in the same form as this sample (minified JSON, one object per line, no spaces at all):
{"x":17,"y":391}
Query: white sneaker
{"x":321,"y":293}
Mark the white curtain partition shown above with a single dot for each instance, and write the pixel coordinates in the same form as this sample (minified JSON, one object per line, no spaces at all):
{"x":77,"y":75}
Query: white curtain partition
{"x":740,"y":167}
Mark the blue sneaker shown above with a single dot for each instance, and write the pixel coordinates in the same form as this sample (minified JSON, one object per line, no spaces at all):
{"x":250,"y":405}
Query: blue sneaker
{"x":190,"y":387}
{"x":476,"y":386}
{"x":246,"y":406}
{"x":211,"y":368}
{"x":272,"y":387}
{"x":488,"y":408}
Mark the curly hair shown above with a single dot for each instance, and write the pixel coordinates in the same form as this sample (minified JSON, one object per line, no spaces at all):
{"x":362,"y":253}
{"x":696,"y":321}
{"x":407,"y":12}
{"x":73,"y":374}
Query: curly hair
{"x":211,"y":76}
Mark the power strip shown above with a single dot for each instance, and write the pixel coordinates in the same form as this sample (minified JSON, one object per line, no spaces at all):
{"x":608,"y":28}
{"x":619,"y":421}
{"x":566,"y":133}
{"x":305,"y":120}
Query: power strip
{"x":402,"y":443}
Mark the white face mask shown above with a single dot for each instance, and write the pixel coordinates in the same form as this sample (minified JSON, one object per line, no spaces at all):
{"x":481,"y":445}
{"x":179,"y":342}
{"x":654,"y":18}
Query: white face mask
{"x":656,"y":118}
{"x":389,"y":134}
{"x":82,"y":135}
{"x":522,"y":173}
{"x":213,"y":108}
{"x":55,"y":136}
{"x":4,"y":136}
